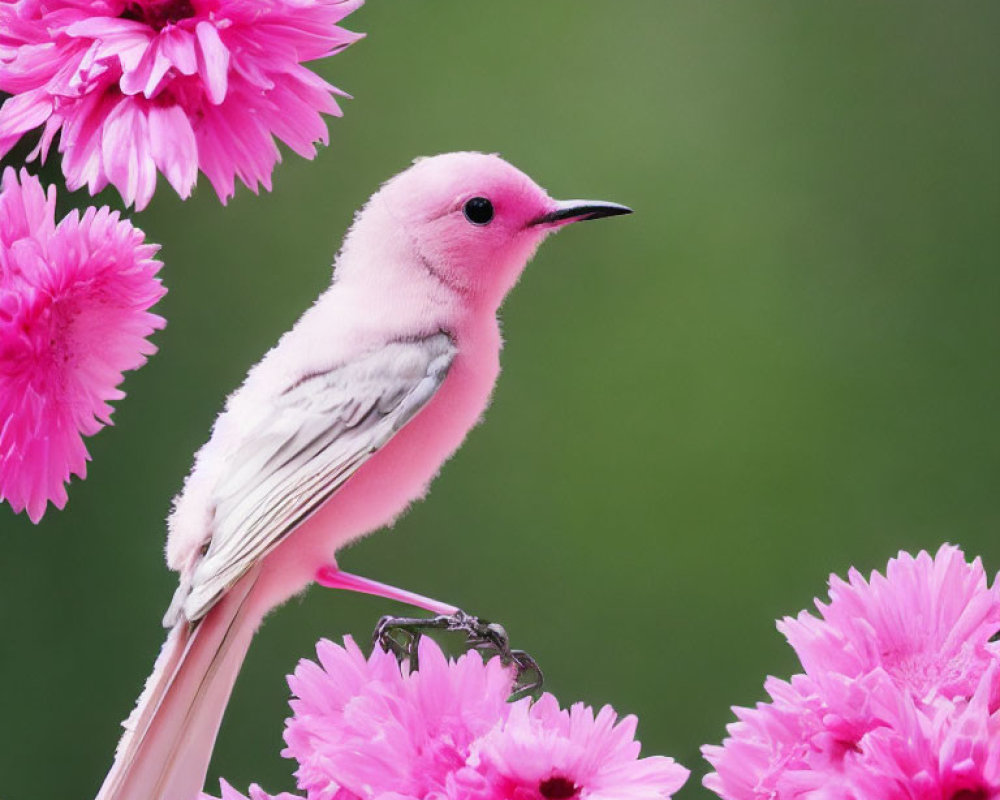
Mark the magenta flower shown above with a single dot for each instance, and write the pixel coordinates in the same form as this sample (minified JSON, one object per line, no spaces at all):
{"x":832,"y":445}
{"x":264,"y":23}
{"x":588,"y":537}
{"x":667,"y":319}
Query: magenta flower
{"x":900,"y":696}
{"x":73,"y":317}
{"x":256,"y":793}
{"x":363,"y":723}
{"x":136,"y":86}
{"x":541,"y":752}
{"x":927,"y":624}
{"x":363,"y":729}
{"x":946,"y":752}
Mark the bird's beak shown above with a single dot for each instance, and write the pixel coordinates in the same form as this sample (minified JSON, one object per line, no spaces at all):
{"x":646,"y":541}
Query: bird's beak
{"x":567,"y":211}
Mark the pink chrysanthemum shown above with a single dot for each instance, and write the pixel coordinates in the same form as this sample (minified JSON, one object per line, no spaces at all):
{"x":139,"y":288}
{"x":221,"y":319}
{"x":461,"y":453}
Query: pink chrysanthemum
{"x":947,"y":751}
{"x":900,"y":697}
{"x":136,"y":86}
{"x":541,"y":752}
{"x":366,"y":727}
{"x":256,"y":793}
{"x":365,"y":730}
{"x":73,"y":317}
{"x":927,"y":623}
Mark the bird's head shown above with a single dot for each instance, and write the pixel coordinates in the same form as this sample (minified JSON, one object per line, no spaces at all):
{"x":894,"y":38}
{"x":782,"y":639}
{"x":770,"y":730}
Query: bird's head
{"x":475,"y":221}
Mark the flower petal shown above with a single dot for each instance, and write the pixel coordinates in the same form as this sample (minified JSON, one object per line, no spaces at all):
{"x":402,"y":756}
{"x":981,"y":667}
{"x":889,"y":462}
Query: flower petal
{"x":213,"y":61}
{"x":173,"y":146}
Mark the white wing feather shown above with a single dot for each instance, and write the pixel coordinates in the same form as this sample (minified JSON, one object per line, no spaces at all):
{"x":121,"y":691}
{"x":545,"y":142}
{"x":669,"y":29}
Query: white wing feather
{"x":318,"y":433}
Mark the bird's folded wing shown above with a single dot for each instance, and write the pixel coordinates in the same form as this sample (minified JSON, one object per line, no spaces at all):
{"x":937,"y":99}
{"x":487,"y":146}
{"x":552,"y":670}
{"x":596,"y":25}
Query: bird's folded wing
{"x":320,"y":431}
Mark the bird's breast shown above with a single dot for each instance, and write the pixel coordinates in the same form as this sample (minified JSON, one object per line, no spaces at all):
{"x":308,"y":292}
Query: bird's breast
{"x":400,"y":472}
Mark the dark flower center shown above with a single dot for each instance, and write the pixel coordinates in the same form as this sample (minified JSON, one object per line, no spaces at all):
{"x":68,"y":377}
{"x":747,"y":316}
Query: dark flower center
{"x":560,"y":788}
{"x":970,"y":794}
{"x":158,"y":13}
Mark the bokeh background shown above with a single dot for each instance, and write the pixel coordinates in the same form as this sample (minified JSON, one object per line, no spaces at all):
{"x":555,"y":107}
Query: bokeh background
{"x":784,"y":364}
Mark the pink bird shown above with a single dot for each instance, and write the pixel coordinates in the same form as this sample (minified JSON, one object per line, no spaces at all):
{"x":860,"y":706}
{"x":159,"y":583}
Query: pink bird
{"x":333,"y":434}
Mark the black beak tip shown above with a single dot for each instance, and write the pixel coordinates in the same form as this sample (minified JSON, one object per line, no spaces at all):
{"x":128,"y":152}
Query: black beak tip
{"x":584,"y":210}
{"x":610,"y":210}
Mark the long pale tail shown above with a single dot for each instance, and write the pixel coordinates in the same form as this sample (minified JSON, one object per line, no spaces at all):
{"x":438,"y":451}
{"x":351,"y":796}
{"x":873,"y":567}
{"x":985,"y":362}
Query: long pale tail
{"x":169,"y":737}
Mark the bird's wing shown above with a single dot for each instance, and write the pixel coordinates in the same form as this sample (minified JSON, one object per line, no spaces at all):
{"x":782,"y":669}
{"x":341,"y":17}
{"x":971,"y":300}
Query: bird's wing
{"x":318,"y":433}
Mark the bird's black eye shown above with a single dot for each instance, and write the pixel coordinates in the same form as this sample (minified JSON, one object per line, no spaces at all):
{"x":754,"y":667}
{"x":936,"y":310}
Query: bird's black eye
{"x":478,"y":210}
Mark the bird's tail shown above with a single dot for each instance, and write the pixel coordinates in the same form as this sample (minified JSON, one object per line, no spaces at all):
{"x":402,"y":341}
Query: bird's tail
{"x":169,"y":737}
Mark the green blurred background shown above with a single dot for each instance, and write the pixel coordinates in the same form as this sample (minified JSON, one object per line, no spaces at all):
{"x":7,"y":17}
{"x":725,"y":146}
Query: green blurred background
{"x":785,"y":363}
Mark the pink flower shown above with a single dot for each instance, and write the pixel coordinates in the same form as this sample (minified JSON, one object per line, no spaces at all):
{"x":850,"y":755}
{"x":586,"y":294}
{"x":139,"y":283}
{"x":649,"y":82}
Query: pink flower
{"x":367,"y":727}
{"x":137,"y":86}
{"x":256,"y":793}
{"x":900,"y":697}
{"x":945,"y":751}
{"x":927,"y":623}
{"x":363,"y":729}
{"x":540,"y":752}
{"x":73,"y":317}
{"x":797,"y":745}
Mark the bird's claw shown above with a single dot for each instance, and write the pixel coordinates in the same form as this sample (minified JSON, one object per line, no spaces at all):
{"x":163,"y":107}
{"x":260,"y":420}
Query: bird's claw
{"x":528,"y":677}
{"x":401,"y":637}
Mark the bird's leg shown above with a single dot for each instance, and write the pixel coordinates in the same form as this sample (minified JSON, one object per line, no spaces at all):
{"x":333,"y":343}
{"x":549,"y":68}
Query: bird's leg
{"x":333,"y":577}
{"x":401,"y":637}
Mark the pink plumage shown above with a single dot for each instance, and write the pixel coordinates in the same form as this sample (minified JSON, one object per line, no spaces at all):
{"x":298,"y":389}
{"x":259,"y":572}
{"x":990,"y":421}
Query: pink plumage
{"x":74,"y":300}
{"x":364,"y":729}
{"x":900,"y":696}
{"x":136,"y":86}
{"x":334,"y":433}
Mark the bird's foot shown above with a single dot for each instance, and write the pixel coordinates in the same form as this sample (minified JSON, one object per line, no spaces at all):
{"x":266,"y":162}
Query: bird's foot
{"x":401,"y":637}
